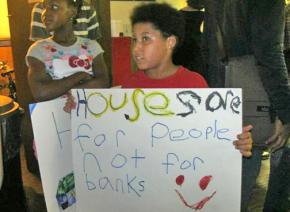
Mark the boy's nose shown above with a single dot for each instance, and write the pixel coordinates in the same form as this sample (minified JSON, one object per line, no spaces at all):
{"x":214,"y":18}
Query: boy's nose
{"x":137,"y":46}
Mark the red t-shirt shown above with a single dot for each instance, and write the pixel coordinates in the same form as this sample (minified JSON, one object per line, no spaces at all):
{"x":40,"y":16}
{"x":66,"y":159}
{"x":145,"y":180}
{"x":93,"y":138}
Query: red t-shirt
{"x":183,"y":78}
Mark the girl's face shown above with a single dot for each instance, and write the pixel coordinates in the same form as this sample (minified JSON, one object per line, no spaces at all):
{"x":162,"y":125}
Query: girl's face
{"x":56,"y":14}
{"x":149,"y":48}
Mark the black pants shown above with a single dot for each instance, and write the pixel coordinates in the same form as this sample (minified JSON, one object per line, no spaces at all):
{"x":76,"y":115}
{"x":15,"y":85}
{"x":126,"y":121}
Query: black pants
{"x":278,"y":194}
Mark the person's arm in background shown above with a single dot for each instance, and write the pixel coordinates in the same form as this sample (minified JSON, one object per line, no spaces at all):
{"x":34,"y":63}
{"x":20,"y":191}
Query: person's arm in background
{"x":268,"y":34}
{"x":212,"y":46}
{"x":37,"y":29}
{"x":87,"y":24}
{"x":94,"y":31}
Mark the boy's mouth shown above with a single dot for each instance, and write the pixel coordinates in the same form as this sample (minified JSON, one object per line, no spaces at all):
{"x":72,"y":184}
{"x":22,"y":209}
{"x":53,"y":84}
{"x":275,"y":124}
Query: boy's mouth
{"x":138,"y":59}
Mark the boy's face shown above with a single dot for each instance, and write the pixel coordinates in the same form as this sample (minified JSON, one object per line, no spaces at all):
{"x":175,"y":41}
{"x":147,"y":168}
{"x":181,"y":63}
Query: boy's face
{"x":149,"y":48}
{"x":56,"y":14}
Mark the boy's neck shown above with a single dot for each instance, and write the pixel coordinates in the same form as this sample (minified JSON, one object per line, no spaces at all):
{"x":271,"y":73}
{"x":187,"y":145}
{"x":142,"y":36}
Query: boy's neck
{"x":161,"y":73}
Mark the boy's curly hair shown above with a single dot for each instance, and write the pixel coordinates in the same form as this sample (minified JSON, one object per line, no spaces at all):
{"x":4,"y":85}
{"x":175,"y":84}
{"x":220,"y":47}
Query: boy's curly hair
{"x":163,"y":17}
{"x":197,"y":4}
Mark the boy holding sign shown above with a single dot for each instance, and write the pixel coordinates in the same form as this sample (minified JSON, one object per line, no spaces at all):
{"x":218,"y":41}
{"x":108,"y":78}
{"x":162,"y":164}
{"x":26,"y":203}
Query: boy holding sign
{"x":158,"y":30}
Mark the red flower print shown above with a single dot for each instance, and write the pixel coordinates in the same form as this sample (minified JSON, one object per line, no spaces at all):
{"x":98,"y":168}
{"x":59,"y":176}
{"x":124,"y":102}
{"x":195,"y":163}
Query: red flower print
{"x":87,"y":64}
{"x":81,"y":63}
{"x":75,"y":61}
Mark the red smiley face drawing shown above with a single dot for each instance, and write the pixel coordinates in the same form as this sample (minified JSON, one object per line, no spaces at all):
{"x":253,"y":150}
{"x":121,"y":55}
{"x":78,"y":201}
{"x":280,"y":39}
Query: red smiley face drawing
{"x":203,"y":183}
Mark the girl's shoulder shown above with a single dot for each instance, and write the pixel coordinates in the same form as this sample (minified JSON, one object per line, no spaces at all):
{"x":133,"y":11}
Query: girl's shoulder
{"x":88,"y":42}
{"x":41,"y":44}
{"x":90,"y":46}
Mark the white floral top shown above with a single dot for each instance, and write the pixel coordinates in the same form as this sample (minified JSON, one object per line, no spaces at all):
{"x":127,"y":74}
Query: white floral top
{"x":62,"y":61}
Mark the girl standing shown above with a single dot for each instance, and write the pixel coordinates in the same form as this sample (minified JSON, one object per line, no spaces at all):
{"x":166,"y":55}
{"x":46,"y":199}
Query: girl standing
{"x":64,"y":61}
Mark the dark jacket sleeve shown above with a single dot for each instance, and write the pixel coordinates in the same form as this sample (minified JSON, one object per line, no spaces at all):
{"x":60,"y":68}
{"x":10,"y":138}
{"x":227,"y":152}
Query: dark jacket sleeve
{"x":267,"y":27}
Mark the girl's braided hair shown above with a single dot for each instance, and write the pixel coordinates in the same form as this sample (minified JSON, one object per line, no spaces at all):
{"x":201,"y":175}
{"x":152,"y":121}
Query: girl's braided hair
{"x":78,"y":5}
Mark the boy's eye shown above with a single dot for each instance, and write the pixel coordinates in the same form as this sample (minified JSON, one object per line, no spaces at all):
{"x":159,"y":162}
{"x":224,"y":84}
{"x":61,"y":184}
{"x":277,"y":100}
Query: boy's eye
{"x":146,"y":38}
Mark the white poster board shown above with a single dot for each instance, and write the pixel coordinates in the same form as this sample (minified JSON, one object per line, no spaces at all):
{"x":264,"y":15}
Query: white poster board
{"x":157,"y":150}
{"x":52,"y":135}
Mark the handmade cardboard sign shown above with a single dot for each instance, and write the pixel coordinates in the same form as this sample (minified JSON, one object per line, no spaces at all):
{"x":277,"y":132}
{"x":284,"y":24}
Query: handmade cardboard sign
{"x":157,"y":149}
{"x":52,"y":137}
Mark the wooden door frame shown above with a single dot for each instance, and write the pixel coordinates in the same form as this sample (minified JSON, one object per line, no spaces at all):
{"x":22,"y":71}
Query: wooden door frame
{"x":103,"y":10}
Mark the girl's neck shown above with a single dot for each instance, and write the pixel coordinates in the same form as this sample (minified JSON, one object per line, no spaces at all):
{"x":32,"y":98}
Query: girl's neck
{"x":64,"y":36}
{"x":161,"y":72}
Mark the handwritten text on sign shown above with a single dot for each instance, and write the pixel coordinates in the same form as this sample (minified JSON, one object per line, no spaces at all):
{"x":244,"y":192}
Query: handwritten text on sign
{"x":134,"y":147}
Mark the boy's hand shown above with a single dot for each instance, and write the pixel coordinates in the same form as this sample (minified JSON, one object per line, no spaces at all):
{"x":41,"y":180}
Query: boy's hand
{"x":245,"y":142}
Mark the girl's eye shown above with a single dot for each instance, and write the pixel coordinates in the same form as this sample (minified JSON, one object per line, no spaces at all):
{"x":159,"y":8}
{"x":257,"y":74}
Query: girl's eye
{"x":54,"y":7}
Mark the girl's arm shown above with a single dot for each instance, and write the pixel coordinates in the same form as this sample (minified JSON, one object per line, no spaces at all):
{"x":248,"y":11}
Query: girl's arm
{"x":100,"y":78}
{"x":43,"y":87}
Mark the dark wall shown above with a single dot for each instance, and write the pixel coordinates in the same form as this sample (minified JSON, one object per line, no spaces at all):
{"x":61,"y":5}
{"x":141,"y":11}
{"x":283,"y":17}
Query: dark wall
{"x":19,"y":19}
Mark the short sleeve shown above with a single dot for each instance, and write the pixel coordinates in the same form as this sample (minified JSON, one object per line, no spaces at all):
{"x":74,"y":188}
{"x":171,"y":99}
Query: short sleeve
{"x":36,"y":51}
{"x":95,"y":48}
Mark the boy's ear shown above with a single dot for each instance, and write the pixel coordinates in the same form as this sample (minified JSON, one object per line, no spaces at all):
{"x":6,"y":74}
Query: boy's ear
{"x":171,"y":42}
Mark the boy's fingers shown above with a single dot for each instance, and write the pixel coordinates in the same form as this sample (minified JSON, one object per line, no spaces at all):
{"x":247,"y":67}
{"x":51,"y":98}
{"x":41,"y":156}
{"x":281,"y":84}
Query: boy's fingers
{"x":247,"y":128}
{"x":241,"y":142}
{"x":246,"y":153}
{"x":244,"y":136}
{"x":244,"y":146}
